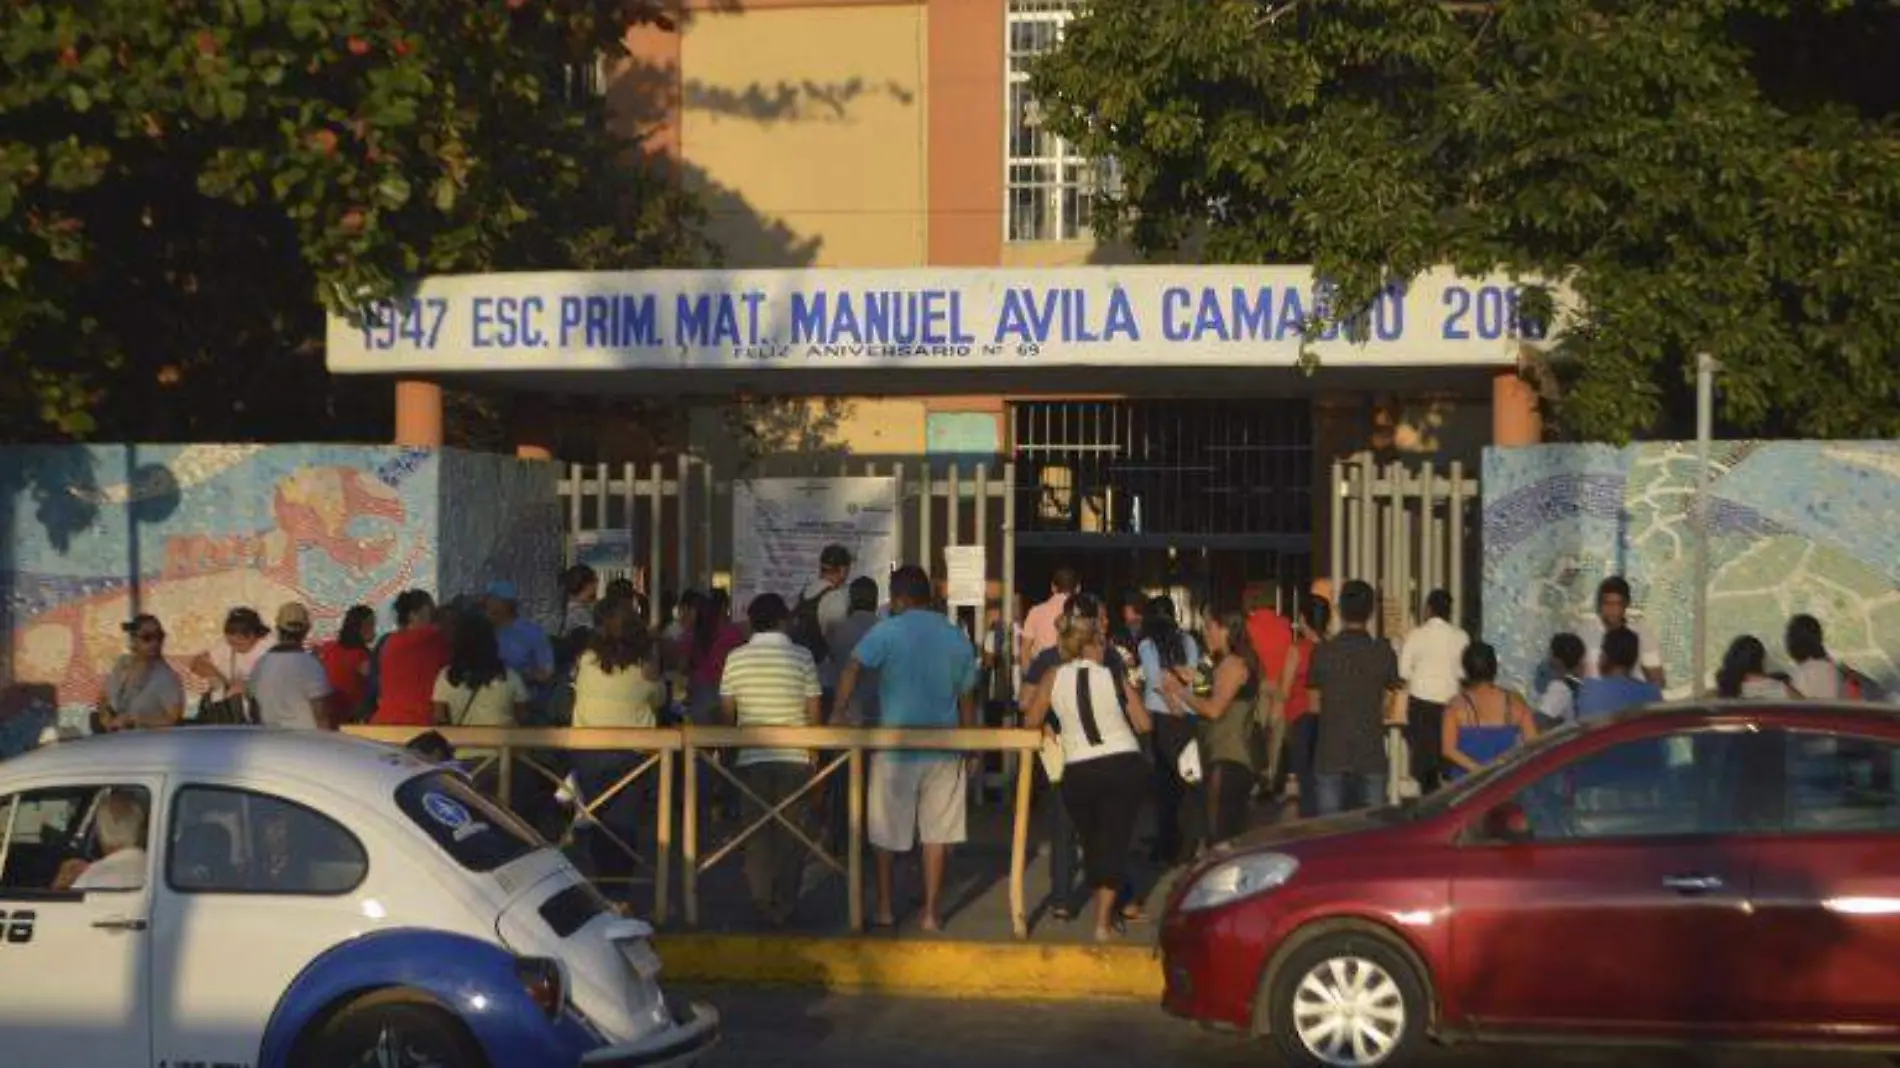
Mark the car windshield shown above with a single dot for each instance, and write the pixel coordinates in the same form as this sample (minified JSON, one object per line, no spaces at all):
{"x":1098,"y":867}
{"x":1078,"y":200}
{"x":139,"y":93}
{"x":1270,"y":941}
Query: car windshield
{"x":1468,"y":787}
{"x":478,"y":833}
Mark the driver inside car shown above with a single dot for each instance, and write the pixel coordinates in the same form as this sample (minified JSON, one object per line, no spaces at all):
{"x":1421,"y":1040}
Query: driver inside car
{"x":119,"y":828}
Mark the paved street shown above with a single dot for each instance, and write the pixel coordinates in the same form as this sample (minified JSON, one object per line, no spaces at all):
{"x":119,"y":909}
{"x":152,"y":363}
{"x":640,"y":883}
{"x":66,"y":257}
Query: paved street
{"x":795,"y":1028}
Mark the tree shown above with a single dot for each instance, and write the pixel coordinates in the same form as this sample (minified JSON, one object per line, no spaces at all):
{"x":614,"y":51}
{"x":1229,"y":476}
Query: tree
{"x":187,"y":185}
{"x":1707,"y":175}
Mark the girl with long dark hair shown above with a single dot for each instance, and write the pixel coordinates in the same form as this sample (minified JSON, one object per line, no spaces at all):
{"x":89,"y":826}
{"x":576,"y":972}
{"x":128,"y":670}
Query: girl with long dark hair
{"x":1166,"y":648}
{"x":1485,"y":721}
{"x":476,"y":689}
{"x":346,"y":659}
{"x":1230,"y":723}
{"x":1744,"y":673}
{"x":713,"y":636}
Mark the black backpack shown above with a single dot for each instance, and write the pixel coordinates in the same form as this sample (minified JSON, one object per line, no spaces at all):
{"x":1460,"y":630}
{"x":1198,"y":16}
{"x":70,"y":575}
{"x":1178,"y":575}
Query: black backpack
{"x":805,"y":630}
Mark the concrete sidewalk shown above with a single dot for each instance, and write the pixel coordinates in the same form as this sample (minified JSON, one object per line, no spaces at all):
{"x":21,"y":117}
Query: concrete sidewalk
{"x":976,"y":956}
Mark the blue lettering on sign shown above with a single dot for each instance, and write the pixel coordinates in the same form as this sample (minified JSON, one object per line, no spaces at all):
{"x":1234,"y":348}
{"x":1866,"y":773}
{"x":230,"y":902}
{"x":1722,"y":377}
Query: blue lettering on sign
{"x":809,"y":323}
{"x":1389,"y":313}
{"x":507,"y":322}
{"x":1175,"y":301}
{"x":610,"y":321}
{"x":890,"y":319}
{"x":1490,"y":313}
{"x":1253,"y":319}
{"x":1325,"y":299}
{"x":1121,"y":318}
{"x":1292,"y":315}
{"x":707,"y":320}
{"x":1019,"y":318}
{"x":1060,"y":315}
{"x":415,"y":323}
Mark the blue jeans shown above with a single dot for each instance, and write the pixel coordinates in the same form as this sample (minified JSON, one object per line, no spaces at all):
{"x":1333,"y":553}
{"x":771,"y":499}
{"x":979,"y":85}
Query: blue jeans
{"x":1300,"y":742}
{"x":1368,"y":792}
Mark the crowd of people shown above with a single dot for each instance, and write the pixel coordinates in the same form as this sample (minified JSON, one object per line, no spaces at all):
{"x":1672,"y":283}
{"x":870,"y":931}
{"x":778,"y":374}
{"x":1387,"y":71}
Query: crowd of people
{"x":1136,"y":710}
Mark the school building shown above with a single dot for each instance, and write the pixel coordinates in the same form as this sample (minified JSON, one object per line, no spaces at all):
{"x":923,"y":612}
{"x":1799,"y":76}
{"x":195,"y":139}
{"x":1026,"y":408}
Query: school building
{"x":910,"y":284}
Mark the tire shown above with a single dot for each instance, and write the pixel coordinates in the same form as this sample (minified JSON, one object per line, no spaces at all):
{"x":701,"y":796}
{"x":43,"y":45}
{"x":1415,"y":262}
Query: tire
{"x":1382,"y":1027}
{"x":377,"y":1033}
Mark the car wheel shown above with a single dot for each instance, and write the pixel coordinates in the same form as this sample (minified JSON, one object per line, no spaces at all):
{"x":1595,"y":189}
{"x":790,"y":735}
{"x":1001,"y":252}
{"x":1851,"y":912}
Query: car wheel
{"x":389,"y":1034}
{"x":1346,"y":1001}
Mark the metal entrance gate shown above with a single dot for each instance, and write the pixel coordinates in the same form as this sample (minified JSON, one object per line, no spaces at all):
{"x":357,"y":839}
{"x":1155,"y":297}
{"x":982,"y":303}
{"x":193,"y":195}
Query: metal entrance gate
{"x":1408,"y":532}
{"x":1168,"y":494}
{"x":675,"y":520}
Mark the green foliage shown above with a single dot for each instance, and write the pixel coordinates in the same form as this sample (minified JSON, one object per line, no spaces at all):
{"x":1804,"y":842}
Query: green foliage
{"x":186,"y":185}
{"x":1708,"y":175}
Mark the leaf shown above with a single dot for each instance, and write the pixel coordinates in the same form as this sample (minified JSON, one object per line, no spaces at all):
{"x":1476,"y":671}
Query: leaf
{"x":393,"y":192}
{"x":445,"y":194}
{"x":231,"y":104}
{"x":80,"y":99}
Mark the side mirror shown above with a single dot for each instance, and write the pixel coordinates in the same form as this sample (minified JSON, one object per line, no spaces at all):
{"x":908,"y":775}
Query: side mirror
{"x":1507,"y":822}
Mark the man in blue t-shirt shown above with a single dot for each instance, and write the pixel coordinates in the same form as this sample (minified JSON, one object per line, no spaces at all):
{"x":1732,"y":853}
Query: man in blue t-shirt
{"x":1616,"y":687}
{"x":525,"y":648}
{"x":926,"y":679}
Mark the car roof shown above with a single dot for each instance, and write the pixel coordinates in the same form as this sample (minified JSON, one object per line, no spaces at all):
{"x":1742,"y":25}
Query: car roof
{"x":261,"y":754}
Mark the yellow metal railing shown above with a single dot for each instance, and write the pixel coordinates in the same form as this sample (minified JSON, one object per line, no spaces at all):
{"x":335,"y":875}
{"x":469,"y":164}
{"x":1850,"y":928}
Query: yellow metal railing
{"x":844,"y":748}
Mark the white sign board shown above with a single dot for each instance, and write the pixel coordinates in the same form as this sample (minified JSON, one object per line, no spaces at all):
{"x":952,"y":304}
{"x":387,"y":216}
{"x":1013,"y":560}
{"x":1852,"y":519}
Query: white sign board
{"x":967,"y":569}
{"x":608,"y":552}
{"x":928,"y":318}
{"x":781,"y":525}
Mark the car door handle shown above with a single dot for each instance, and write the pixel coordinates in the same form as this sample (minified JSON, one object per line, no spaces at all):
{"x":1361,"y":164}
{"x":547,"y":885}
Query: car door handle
{"x":120,"y":924}
{"x":1693,"y":884}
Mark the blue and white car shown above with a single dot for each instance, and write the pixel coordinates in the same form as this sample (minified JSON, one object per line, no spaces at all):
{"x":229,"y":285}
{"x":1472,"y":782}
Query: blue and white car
{"x":247,"y":897}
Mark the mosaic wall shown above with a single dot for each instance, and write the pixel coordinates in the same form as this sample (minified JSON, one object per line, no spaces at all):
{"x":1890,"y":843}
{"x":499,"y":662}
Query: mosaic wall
{"x":505,"y":523}
{"x":1796,"y":527}
{"x":89,"y":535}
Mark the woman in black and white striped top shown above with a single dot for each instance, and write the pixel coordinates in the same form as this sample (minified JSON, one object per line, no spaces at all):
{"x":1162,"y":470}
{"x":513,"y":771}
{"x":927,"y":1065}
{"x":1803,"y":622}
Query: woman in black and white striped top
{"x":1104,"y":776}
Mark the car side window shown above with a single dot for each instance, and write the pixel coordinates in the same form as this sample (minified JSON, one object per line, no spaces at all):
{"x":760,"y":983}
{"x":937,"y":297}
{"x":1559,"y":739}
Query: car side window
{"x":229,"y":841}
{"x":73,"y":839}
{"x":1840,"y":783}
{"x":1660,"y":786}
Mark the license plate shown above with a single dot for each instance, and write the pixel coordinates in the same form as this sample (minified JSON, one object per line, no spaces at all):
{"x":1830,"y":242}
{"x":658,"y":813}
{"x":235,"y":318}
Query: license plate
{"x":641,"y":958}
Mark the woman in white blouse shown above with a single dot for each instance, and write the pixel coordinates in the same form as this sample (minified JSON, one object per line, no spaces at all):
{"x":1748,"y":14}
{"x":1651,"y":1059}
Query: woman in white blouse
{"x":1105,"y":778}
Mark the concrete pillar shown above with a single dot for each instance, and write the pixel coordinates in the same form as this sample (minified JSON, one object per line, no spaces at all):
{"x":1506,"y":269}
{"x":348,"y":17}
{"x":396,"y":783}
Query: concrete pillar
{"x":1515,"y":419}
{"x":418,"y":413}
{"x":534,"y":430}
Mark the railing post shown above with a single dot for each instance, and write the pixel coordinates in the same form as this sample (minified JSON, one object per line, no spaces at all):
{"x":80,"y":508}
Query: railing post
{"x":505,"y":778}
{"x":1019,"y":849}
{"x":854,"y":850}
{"x":689,"y":868}
{"x":663,"y":841}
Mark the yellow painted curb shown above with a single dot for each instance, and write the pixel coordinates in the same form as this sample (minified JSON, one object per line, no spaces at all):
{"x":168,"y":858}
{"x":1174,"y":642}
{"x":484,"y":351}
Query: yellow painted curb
{"x":978,"y":970}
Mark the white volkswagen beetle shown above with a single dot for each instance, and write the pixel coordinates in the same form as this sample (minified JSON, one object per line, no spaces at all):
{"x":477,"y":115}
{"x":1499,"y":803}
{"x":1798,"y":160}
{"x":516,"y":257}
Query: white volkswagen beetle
{"x":247,"y":897}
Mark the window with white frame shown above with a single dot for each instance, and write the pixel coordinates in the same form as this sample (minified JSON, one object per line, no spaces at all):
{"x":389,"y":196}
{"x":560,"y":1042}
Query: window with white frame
{"x":1048,"y":187}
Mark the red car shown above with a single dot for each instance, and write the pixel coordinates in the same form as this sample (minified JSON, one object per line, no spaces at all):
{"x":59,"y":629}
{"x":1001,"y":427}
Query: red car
{"x":1728,"y":873}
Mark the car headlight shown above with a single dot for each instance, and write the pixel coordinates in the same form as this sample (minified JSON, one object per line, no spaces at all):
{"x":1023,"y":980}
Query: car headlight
{"x":1241,"y":877}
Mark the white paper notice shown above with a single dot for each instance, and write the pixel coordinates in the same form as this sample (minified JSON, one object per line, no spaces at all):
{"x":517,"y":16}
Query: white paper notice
{"x":968,"y":575}
{"x":781,"y":525}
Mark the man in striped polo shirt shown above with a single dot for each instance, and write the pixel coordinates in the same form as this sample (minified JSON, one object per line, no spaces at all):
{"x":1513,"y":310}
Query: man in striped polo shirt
{"x":772,"y":682}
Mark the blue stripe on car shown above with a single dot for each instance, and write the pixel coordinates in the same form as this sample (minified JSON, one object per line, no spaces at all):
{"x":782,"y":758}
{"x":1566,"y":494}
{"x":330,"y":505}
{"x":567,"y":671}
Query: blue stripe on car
{"x":472,"y":980}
